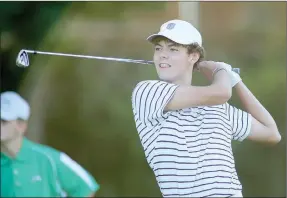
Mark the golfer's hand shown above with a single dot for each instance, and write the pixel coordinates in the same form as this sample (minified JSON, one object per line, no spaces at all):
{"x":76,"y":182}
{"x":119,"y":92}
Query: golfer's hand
{"x":235,"y":78}
{"x":207,"y":68}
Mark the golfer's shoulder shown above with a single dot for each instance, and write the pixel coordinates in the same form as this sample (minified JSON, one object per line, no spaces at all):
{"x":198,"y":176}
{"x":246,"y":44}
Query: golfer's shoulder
{"x":56,"y":156}
{"x":45,"y":151}
{"x":147,"y":85}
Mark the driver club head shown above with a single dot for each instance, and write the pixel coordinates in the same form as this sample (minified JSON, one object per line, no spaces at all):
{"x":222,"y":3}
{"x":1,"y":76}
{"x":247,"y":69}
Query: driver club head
{"x":22,"y":59}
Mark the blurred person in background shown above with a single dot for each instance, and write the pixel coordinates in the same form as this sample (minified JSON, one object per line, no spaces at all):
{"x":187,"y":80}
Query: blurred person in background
{"x":186,"y":131}
{"x":31,"y":169}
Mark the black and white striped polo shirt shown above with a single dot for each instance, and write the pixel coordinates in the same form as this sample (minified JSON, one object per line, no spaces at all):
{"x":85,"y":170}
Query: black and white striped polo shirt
{"x":189,"y":150}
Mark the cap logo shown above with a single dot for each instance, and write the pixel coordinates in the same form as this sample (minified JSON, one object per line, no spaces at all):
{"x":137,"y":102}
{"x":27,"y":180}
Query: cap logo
{"x":170,"y":26}
{"x":5,"y":101}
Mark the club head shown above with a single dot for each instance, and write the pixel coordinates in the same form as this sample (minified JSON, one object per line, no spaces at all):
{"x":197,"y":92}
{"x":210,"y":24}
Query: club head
{"x":236,"y":70}
{"x":22,"y":59}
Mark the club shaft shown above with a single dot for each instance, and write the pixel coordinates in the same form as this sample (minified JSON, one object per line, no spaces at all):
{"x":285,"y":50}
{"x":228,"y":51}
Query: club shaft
{"x":237,"y":70}
{"x":91,"y":57}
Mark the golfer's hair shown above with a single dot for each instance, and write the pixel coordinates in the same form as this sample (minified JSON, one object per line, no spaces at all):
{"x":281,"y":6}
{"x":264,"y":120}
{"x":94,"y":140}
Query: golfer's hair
{"x":192,"y":48}
{"x":21,"y":120}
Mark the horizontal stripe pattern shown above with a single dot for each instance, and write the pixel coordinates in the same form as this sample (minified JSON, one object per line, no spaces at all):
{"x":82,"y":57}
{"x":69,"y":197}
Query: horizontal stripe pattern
{"x":189,"y":150}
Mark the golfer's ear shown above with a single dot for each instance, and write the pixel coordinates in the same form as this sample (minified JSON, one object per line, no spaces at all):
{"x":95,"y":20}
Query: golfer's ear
{"x":22,"y":125}
{"x":193,"y":58}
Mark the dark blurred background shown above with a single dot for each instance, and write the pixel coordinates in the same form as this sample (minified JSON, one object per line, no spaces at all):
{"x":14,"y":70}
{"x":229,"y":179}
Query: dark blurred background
{"x":83,"y":107}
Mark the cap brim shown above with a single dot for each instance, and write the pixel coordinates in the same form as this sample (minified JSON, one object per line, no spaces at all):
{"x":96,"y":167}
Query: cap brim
{"x":171,"y":37}
{"x":5,"y":115}
{"x":151,"y":37}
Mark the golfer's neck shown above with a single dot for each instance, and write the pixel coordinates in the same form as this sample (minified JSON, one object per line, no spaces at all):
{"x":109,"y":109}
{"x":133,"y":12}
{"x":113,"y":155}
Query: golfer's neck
{"x":12,"y":147}
{"x":186,"y":80}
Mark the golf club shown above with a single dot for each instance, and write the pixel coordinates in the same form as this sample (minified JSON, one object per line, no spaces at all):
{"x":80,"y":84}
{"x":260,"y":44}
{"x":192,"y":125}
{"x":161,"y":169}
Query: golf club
{"x":23,"y":58}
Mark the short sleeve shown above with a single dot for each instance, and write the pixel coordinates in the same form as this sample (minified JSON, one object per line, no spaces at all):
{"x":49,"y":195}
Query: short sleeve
{"x":149,"y":99}
{"x":240,"y":122}
{"x":74,"y":179}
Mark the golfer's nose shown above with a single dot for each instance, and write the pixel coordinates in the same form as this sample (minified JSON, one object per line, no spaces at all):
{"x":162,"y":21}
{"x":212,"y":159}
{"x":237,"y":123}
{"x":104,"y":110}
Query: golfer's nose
{"x":163,"y":54}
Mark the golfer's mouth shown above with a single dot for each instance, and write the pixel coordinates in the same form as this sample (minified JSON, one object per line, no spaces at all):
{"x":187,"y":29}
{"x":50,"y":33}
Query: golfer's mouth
{"x":164,"y":65}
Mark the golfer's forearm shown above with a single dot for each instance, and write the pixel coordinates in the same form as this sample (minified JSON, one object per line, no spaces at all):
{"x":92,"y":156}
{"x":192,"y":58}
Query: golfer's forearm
{"x":221,"y":85}
{"x":253,"y":106}
{"x":219,"y":92}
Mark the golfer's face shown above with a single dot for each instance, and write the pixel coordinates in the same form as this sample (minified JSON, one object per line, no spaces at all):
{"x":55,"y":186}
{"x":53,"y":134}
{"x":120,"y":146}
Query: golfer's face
{"x":171,"y":61}
{"x":8,"y":130}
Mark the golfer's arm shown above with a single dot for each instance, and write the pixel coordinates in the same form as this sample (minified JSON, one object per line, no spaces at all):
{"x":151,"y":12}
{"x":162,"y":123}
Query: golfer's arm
{"x":217,"y":93}
{"x":263,"y":126}
{"x":83,"y":185}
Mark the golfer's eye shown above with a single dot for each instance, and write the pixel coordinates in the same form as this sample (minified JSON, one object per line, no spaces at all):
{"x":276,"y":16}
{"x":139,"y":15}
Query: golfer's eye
{"x":157,"y":48}
{"x":173,"y":49}
{"x":3,"y":122}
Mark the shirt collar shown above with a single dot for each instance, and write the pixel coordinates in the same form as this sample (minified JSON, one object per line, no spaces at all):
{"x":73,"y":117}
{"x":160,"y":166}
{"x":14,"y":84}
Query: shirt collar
{"x":4,"y":159}
{"x":21,"y":156}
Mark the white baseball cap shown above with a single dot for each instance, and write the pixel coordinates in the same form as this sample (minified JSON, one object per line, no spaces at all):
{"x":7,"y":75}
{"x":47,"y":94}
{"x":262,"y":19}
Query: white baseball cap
{"x":180,"y":32}
{"x":14,"y":107}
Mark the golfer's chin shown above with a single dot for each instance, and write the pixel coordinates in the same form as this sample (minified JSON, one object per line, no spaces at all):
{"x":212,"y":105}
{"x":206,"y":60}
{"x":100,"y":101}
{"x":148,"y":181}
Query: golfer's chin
{"x":4,"y":139}
{"x":167,"y":77}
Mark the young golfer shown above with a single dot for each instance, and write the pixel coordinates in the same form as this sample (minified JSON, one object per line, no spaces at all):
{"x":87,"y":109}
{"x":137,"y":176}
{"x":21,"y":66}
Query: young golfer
{"x":29,"y":169}
{"x":185,"y":130}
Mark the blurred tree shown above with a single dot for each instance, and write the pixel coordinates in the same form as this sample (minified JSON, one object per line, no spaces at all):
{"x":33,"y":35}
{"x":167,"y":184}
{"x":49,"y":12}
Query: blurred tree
{"x":23,"y":24}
